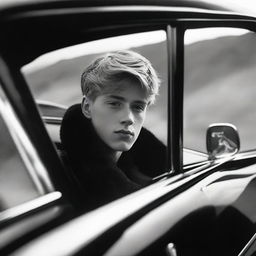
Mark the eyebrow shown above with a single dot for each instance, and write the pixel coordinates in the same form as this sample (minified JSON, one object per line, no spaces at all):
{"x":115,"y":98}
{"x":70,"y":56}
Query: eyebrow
{"x":123,"y":99}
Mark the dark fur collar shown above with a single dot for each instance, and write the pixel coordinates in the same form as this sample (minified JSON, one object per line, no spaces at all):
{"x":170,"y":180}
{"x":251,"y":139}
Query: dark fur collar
{"x":79,"y":137}
{"x":98,"y":179}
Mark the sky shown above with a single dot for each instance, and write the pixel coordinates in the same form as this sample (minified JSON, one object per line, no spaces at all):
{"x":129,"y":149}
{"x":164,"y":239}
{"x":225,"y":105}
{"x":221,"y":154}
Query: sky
{"x":248,"y":4}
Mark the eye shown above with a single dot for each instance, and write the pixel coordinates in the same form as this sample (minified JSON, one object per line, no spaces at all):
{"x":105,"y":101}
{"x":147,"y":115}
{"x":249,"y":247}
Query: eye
{"x":139,"y":107}
{"x":114,"y":104}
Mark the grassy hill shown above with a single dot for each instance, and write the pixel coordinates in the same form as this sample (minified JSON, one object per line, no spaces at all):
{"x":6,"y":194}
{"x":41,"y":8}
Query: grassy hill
{"x":219,"y":86}
{"x":60,"y":83}
{"x":64,"y":76}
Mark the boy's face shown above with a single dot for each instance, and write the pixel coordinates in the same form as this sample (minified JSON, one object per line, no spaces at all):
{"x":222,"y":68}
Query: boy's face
{"x":118,"y":116}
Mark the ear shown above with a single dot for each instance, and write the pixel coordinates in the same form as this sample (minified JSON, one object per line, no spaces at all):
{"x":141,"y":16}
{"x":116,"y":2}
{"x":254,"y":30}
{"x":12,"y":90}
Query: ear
{"x":86,"y":107}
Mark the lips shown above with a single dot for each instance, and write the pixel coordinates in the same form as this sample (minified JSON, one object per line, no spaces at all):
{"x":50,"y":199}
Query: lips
{"x":125,"y":132}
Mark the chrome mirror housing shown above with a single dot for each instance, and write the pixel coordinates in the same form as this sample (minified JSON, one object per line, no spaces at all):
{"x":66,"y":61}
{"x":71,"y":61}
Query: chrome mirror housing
{"x":222,"y":140}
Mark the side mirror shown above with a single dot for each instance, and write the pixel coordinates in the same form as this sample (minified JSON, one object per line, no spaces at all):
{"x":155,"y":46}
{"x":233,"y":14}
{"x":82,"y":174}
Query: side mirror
{"x":222,"y":140}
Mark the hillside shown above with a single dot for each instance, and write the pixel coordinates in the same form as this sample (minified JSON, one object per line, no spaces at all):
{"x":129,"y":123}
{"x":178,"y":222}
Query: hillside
{"x":222,"y":69}
{"x":219,"y":87}
{"x":66,"y":75}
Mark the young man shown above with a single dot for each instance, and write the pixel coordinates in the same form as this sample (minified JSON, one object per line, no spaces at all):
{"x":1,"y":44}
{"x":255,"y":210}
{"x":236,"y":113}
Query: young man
{"x":117,"y":90}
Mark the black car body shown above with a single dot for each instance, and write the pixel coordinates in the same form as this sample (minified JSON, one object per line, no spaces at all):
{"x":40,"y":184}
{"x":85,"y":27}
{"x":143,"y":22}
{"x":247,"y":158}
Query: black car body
{"x":202,"y":204}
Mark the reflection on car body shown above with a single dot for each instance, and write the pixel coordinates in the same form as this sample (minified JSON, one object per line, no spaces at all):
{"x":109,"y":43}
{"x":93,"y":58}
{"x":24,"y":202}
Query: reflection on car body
{"x":202,"y":201}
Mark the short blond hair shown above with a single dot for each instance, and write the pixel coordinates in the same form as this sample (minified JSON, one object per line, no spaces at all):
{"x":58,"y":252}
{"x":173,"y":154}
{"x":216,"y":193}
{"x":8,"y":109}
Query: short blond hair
{"x":101,"y":75}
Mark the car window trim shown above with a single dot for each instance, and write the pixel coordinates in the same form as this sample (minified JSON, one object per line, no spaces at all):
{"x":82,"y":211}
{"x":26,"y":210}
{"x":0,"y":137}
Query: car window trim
{"x":15,"y":213}
{"x":195,"y":23}
{"x":24,"y":146}
{"x":175,"y":46}
{"x":189,"y":23}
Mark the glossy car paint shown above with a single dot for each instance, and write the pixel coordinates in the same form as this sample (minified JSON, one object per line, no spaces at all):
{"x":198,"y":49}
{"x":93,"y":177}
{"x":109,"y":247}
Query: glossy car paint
{"x":197,"y":219}
{"x":195,"y":210}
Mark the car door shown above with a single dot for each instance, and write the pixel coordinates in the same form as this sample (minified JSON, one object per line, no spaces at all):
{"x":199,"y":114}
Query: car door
{"x":186,"y":208}
{"x":30,"y":201}
{"x":24,"y":82}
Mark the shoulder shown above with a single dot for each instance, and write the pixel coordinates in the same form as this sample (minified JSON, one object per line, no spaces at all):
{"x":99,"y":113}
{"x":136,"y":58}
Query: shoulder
{"x":149,"y":153}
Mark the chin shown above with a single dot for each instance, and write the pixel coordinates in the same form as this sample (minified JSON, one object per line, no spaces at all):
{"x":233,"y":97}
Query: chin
{"x":123,"y":147}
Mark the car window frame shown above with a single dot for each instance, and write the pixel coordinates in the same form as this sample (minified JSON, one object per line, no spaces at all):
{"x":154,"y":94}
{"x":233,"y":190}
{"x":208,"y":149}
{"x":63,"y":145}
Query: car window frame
{"x":140,"y":28}
{"x":34,"y":167}
{"x":194,"y":23}
{"x":175,"y":31}
{"x":48,"y":194}
{"x":83,"y":35}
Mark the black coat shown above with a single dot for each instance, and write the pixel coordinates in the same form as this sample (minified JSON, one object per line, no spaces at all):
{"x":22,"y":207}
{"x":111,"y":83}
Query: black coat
{"x":99,"y":179}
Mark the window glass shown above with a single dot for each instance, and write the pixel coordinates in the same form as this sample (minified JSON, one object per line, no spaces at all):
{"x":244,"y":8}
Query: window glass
{"x":219,"y":85}
{"x":16,"y":184}
{"x":55,"y":77}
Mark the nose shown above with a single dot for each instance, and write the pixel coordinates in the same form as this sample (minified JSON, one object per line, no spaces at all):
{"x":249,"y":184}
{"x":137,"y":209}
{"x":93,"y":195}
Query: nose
{"x":127,"y":117}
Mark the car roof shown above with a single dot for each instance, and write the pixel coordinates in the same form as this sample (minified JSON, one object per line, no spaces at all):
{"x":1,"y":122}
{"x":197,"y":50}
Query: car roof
{"x":201,"y":4}
{"x":30,"y":22}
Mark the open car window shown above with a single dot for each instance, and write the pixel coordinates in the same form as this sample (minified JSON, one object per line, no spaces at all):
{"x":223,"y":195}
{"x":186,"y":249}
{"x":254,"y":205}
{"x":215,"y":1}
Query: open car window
{"x":219,"y":84}
{"x":20,"y":168}
{"x":54,"y":78}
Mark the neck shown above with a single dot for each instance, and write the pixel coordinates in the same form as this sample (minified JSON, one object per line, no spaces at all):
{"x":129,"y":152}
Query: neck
{"x":117,"y":156}
{"x":113,"y":155}
{"x":106,"y":151}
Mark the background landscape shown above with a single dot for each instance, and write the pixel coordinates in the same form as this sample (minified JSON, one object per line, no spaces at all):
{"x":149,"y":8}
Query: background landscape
{"x":220,"y":77}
